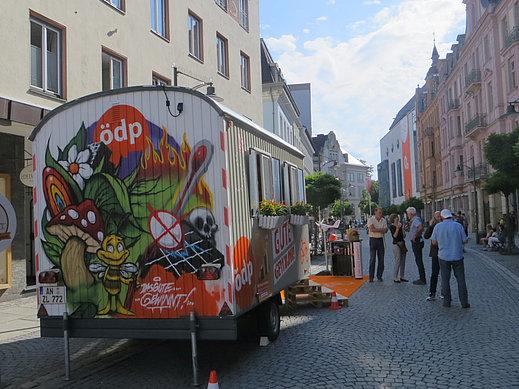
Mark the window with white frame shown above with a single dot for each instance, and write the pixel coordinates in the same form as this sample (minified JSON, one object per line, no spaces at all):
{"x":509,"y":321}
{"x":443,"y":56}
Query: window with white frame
{"x":195,"y":36}
{"x":222,"y":3}
{"x":244,"y":14}
{"x":245,"y":71}
{"x":511,"y":73}
{"x":112,"y":71}
{"x":351,"y":177}
{"x":119,"y":4}
{"x":159,"y":17}
{"x":222,"y":55}
{"x":159,"y":80}
{"x":46,"y":54}
{"x":360,"y":177}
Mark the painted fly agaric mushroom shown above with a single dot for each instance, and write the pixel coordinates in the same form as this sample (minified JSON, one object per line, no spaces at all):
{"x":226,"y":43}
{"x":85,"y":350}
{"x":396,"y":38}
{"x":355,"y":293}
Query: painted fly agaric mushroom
{"x":81,"y":228}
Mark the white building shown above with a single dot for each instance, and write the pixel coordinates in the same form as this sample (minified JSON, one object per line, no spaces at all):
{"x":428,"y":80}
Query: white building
{"x":398,"y":172}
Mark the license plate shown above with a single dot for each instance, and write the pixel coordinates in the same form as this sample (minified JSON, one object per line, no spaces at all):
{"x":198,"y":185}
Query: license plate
{"x":53,"y":295}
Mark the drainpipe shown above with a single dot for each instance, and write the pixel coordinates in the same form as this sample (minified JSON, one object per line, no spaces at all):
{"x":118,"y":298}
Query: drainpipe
{"x":273,"y":111}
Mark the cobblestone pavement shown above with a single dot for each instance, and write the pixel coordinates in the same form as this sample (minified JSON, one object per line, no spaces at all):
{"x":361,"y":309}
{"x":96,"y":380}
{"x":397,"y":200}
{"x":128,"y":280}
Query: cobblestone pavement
{"x":388,"y":337}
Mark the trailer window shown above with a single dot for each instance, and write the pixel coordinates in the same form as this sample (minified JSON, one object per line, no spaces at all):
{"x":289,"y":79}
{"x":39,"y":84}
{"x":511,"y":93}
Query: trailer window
{"x":266,"y":181}
{"x":302,"y":192}
{"x":294,"y":184}
{"x":276,"y":177}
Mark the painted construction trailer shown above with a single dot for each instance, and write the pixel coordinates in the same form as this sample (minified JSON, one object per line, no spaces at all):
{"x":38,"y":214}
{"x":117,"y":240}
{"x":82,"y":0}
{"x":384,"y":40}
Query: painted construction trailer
{"x":146,"y":205}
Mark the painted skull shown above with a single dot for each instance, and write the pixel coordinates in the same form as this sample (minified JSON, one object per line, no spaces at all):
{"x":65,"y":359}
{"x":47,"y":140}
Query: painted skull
{"x":203,"y":222}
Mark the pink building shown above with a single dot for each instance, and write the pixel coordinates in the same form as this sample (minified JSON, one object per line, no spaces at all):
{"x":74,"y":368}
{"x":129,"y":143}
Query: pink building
{"x":476,"y":82}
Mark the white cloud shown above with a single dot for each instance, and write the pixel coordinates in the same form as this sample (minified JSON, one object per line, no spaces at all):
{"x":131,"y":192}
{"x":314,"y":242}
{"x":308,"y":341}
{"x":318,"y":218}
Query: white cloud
{"x":371,"y":2}
{"x":265,"y":27}
{"x":331,"y":2}
{"x":306,"y":30}
{"x":321,"y":19}
{"x":359,"y":85}
{"x":356,"y":25}
{"x":284,"y":44}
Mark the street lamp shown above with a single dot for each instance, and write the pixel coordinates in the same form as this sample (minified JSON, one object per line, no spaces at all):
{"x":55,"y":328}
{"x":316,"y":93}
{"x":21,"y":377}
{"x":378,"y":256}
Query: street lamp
{"x":459,"y":169}
{"x":210,"y":88}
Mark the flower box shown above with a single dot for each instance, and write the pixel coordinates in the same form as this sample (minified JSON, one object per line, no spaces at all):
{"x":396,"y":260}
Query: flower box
{"x":270,"y":222}
{"x":299,"y":220}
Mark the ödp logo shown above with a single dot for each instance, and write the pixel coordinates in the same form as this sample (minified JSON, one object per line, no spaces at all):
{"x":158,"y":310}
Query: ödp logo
{"x":123,"y":129}
{"x":243,"y":273}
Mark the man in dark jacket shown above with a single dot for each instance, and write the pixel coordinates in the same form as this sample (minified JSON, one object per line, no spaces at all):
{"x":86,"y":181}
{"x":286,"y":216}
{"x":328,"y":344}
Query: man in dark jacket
{"x":433,"y":253}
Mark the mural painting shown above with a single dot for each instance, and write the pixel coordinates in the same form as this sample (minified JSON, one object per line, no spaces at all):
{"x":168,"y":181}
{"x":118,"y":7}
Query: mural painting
{"x":129,"y":220}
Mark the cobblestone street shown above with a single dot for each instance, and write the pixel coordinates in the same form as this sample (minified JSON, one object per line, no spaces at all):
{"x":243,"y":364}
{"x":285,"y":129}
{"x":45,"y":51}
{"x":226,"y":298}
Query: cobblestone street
{"x":388,"y":337}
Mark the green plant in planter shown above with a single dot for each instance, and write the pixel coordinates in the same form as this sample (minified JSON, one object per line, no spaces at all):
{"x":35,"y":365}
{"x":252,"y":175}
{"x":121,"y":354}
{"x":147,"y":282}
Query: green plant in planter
{"x":271,"y":208}
{"x":300,"y":208}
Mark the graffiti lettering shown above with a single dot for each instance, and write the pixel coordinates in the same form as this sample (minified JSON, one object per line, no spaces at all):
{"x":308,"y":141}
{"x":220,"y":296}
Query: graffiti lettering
{"x":167,"y":301}
{"x":121,"y":132}
{"x":284,"y":263}
{"x":282,"y":237}
{"x":243,"y":278}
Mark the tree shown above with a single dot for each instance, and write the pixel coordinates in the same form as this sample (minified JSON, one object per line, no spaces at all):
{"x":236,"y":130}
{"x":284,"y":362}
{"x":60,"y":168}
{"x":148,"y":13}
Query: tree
{"x":341,"y":208}
{"x":371,"y":169}
{"x":502,"y":152}
{"x":393,"y":208}
{"x":374,"y":191}
{"x":322,"y":189}
{"x":411,"y":202}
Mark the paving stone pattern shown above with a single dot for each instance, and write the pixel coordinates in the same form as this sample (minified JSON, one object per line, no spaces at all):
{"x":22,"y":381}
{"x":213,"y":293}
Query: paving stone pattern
{"x":388,"y":337}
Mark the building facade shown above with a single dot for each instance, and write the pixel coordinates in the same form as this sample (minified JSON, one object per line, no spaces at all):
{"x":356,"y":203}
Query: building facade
{"x":477,"y":82}
{"x":56,"y":51}
{"x":397,"y":172}
{"x":331,"y":158}
{"x":281,"y":113}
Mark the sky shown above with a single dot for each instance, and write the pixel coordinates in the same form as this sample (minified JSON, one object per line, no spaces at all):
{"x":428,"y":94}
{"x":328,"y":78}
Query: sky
{"x":363,"y":59}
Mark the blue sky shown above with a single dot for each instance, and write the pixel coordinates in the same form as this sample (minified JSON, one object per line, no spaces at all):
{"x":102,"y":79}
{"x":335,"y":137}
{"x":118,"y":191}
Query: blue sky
{"x":364,"y":59}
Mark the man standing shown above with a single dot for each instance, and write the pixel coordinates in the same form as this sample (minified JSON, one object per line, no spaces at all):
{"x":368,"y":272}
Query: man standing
{"x":377,"y":227}
{"x":450,"y":238}
{"x":415,"y":234}
{"x":433,"y":253}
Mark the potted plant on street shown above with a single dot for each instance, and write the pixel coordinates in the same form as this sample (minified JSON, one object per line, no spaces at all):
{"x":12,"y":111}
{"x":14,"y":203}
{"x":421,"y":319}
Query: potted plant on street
{"x":353,"y":235}
{"x":299,"y":213}
{"x":271,"y":214}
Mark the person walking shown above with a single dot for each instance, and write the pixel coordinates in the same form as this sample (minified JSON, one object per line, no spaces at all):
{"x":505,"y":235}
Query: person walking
{"x":417,"y":243}
{"x":433,"y":253}
{"x":399,"y":249}
{"x":450,"y":238}
{"x":377,"y":227}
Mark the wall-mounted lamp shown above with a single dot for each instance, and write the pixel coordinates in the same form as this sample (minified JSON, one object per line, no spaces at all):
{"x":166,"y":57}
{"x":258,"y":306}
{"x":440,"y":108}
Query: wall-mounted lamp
{"x":210,"y":92}
{"x":510,"y":110}
{"x":110,"y":33}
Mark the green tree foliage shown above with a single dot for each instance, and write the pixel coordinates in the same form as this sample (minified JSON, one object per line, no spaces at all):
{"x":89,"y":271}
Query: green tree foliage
{"x":411,"y":202}
{"x":374,"y":191}
{"x":502,"y":152}
{"x":341,"y":208}
{"x":500,"y":182}
{"x":322,"y":189}
{"x":392,"y":209}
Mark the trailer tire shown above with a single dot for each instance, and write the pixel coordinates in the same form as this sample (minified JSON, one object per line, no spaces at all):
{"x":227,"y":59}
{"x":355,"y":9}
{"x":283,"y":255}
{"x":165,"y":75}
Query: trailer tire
{"x":271,"y":320}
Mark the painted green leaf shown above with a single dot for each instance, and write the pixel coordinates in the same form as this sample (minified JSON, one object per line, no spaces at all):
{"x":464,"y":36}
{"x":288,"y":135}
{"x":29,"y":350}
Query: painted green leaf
{"x":52,"y":251}
{"x":51,"y":162}
{"x":79,"y":140}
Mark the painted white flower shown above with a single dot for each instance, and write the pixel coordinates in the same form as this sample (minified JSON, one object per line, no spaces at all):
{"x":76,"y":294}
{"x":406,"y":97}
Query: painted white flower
{"x":77,"y":165}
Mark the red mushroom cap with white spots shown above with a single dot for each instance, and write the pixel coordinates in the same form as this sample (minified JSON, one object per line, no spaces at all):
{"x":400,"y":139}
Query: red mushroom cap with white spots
{"x":83,"y":220}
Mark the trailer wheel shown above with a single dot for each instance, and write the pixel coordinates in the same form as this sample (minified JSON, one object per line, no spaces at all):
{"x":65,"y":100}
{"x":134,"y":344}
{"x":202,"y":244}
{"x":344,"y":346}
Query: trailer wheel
{"x":271,"y":320}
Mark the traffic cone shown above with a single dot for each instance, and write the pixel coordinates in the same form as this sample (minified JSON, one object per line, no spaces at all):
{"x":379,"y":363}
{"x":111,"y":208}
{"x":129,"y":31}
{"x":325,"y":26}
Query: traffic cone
{"x":213,"y":382}
{"x":335,"y":303}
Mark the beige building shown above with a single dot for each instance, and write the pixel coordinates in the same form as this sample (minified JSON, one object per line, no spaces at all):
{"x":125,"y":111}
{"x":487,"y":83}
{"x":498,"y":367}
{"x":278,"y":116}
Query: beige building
{"x":55,"y":51}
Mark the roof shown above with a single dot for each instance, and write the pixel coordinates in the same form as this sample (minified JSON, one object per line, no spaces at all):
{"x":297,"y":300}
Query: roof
{"x":351,"y":159}
{"x":319,"y":142}
{"x":408,"y":107}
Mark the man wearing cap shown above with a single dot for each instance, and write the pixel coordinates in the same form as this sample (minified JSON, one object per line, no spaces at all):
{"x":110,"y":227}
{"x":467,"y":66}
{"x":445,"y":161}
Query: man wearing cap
{"x":450,"y":238}
{"x":417,"y":243}
{"x":377,"y":226}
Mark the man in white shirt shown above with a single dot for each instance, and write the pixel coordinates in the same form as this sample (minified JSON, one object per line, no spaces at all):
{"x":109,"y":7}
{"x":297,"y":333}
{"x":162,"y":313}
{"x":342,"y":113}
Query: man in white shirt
{"x":377,"y":228}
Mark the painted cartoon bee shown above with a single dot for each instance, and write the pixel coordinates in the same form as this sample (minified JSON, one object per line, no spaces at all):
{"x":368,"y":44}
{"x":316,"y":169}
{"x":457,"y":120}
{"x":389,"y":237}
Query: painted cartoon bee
{"x":113,"y":254}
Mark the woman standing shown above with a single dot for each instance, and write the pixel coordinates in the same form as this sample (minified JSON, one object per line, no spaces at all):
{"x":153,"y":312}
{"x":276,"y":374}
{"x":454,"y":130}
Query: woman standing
{"x":399,"y":248}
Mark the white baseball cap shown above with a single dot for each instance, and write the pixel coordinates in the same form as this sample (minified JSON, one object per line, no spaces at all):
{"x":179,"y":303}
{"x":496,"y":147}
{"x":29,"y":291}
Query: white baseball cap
{"x":446,"y":214}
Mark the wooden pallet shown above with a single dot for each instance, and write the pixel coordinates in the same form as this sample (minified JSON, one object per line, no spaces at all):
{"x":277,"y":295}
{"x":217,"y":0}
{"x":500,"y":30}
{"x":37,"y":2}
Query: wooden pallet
{"x":306,"y":291}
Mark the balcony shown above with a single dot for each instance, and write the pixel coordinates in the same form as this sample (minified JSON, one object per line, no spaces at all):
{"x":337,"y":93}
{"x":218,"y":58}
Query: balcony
{"x":244,"y":19}
{"x":511,"y":38}
{"x":481,"y":170}
{"x":429,"y":131}
{"x":453,"y":104}
{"x":473,"y":81}
{"x":475,"y":124}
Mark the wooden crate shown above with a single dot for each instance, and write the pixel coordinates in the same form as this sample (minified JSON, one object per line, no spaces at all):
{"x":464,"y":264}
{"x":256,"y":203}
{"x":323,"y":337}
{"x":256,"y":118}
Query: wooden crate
{"x":304,"y":292}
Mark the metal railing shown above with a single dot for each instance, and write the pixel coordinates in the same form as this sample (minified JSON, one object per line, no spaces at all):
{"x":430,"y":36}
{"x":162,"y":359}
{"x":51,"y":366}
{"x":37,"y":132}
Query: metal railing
{"x":454,"y":104}
{"x":474,"y":77}
{"x":480,"y":120}
{"x":481,"y":170}
{"x":511,"y":38}
{"x":244,"y":19}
